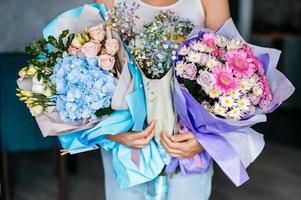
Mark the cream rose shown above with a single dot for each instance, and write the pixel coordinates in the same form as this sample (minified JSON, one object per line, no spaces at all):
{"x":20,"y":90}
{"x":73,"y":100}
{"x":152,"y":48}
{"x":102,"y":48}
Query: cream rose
{"x":90,"y":49}
{"x":106,"y":61}
{"x":97,"y":33}
{"x":112,"y":46}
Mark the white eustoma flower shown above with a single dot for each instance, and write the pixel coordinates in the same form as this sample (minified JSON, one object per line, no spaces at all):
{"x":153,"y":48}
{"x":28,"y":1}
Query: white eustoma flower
{"x":194,"y":57}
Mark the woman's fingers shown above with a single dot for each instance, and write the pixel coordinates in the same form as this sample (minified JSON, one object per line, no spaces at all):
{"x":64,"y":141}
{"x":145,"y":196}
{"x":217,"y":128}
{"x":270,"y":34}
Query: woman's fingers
{"x":142,"y":142}
{"x":170,"y":150}
{"x":170,"y":144}
{"x":146,"y":132}
{"x":182,"y":137}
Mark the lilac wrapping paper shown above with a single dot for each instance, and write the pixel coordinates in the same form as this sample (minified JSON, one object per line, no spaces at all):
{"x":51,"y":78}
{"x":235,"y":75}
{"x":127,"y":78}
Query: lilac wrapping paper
{"x":233,"y":145}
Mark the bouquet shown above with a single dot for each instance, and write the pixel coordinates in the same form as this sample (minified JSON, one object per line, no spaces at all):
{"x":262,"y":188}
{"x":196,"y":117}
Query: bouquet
{"x":223,"y":87}
{"x":153,"y":48}
{"x":82,"y":84}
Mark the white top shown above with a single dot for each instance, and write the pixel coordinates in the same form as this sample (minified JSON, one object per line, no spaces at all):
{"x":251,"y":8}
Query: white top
{"x":186,"y":9}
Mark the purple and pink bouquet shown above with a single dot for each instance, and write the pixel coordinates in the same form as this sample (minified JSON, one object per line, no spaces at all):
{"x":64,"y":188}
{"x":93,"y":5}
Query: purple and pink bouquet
{"x":223,"y":86}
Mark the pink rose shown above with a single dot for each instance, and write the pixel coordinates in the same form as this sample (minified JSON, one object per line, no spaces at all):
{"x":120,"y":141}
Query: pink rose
{"x":72,"y":50}
{"x":190,"y":72}
{"x":112,"y":46}
{"x":106,"y":61}
{"x":90,"y":49}
{"x":97,"y":33}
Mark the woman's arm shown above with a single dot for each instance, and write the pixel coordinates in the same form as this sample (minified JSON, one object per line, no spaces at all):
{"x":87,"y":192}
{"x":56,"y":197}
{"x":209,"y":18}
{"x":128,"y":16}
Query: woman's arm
{"x":216,"y":13}
{"x":109,"y":3}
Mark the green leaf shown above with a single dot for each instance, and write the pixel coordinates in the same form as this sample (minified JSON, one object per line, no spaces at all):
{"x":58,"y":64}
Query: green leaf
{"x":53,"y":41}
{"x":104,"y":111}
{"x":69,"y":40}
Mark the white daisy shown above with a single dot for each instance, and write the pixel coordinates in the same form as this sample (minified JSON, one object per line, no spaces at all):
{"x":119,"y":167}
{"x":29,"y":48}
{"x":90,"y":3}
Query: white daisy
{"x":227,"y":101}
{"x":245,"y":85}
{"x":243,"y":104}
{"x":214,"y":93}
{"x":198,"y":46}
{"x":234,"y":94}
{"x":257,"y":90}
{"x":235,"y":114}
{"x":218,"y":109}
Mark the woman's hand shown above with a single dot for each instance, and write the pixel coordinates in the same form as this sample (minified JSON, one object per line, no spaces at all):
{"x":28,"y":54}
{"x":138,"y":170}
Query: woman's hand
{"x":135,"y":139}
{"x":182,"y":145}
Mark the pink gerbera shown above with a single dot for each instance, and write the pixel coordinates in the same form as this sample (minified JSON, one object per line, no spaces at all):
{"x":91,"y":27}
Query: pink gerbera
{"x":209,"y":40}
{"x":225,"y":81}
{"x":266,"y":95}
{"x":240,"y":63}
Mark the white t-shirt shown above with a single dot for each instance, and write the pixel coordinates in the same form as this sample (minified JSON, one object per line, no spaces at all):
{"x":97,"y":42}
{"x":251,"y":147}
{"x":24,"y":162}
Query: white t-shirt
{"x":186,"y":9}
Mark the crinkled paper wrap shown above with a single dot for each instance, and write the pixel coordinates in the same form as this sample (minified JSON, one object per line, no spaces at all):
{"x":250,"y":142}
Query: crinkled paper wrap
{"x":159,"y":104}
{"x":232,"y":144}
{"x":128,"y":102}
{"x":50,"y":123}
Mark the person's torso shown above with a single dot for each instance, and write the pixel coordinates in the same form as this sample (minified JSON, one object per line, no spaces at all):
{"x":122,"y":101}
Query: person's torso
{"x":186,"y":9}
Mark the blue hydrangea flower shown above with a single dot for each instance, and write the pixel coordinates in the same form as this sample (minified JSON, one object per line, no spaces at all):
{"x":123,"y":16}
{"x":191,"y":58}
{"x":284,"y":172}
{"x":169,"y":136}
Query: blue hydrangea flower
{"x":82,"y":87}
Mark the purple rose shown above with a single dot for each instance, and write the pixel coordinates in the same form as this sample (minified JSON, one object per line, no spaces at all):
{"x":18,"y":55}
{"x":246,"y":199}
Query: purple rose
{"x":254,"y":99}
{"x":190,"y":72}
{"x":264,"y":104}
{"x":205,"y":80}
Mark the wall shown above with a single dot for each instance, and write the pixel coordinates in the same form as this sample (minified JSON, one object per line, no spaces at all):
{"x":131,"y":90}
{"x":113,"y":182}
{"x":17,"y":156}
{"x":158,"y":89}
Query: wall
{"x":23,"y":20}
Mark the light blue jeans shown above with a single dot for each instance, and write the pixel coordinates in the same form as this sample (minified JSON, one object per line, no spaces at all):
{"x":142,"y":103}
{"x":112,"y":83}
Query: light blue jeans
{"x":192,"y":187}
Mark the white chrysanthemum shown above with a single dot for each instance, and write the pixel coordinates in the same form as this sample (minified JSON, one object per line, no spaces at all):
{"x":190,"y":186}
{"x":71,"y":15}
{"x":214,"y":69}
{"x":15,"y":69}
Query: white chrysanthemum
{"x":235,"y":114}
{"x":180,"y":68}
{"x":218,"y":109}
{"x":199,"y":46}
{"x":243,"y":104}
{"x":234,"y":44}
{"x":234,"y":94}
{"x":214,"y":93}
{"x":221,"y":41}
{"x":194,"y":57}
{"x":245,"y":85}
{"x":184,"y":51}
{"x":257,"y":90}
{"x":227,"y":101}
{"x":212,"y":63}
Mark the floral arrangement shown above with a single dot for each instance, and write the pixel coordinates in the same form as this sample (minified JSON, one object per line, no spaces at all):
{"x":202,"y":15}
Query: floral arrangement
{"x":154,"y":48}
{"x":122,"y":18}
{"x":224,"y":75}
{"x":74,"y":76}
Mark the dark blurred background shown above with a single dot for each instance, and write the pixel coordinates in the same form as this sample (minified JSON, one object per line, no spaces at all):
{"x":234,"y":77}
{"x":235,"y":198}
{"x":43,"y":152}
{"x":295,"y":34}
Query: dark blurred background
{"x":31,"y":168}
